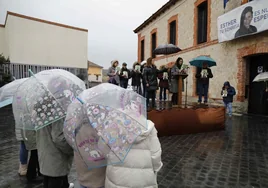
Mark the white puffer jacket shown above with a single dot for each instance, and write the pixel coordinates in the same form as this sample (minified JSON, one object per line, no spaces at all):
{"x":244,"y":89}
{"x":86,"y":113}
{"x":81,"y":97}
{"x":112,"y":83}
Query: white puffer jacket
{"x":141,"y":165}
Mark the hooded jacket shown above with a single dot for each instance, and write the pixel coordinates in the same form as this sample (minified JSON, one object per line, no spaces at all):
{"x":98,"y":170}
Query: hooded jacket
{"x":113,"y":78}
{"x":230,"y":93}
{"x":54,"y":153}
{"x":141,"y":165}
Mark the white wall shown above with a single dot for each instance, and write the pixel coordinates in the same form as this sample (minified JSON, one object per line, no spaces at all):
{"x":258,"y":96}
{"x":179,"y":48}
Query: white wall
{"x":3,"y":43}
{"x":36,"y":43}
{"x":92,"y":78}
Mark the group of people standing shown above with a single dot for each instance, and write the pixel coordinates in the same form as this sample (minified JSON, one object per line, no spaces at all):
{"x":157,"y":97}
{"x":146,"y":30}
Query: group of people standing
{"x":147,"y":79}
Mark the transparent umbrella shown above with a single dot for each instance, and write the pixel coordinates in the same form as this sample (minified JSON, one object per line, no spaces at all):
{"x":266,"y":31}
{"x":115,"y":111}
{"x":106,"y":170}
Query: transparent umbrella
{"x":104,"y":122}
{"x":7,"y":92}
{"x":43,"y":98}
{"x":262,"y":77}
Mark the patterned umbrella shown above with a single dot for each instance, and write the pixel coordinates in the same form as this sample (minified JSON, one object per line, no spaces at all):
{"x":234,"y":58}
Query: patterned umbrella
{"x":43,"y":98}
{"x":104,"y":122}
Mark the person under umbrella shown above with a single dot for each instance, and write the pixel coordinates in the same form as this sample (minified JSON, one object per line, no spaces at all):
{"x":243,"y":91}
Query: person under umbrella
{"x":44,"y":111}
{"x":55,"y":154}
{"x":87,"y":178}
{"x":175,"y":71}
{"x":122,"y":137}
{"x":203,"y":75}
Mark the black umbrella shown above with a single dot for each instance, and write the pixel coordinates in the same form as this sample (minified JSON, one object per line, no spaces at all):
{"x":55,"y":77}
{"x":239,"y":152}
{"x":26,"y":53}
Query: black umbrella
{"x":166,"y":49}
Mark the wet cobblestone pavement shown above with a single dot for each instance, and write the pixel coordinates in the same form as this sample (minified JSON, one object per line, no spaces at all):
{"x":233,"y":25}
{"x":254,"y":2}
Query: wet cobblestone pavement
{"x":235,"y":158}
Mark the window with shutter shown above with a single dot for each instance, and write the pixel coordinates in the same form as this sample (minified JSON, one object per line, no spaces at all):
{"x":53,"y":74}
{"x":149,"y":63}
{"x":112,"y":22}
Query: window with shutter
{"x":153,"y":44}
{"x":202,"y":23}
{"x":142,"y":50}
{"x":172,"y":32}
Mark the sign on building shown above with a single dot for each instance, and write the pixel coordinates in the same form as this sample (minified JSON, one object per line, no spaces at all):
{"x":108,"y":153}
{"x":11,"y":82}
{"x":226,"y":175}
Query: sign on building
{"x":249,"y":19}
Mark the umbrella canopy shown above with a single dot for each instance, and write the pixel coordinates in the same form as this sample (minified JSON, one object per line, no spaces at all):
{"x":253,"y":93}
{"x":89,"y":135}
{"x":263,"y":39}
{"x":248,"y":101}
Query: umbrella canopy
{"x":113,"y":118}
{"x":7,"y":92}
{"x":198,"y":62}
{"x":43,"y":98}
{"x":166,"y":49}
{"x":262,"y":77}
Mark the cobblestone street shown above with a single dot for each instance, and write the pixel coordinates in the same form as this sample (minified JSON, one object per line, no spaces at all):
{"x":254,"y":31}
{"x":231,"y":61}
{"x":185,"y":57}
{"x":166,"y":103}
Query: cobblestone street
{"x":237,"y":157}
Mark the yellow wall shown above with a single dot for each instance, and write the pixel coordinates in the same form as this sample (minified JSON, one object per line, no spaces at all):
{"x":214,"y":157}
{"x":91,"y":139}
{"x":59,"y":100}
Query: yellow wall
{"x":94,"y":70}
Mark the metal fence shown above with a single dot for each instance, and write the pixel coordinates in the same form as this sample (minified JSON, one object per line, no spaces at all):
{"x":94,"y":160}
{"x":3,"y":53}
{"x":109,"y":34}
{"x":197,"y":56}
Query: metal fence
{"x":22,"y":71}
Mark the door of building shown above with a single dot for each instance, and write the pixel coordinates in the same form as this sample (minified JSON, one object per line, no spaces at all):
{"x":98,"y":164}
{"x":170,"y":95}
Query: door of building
{"x":258,"y":101}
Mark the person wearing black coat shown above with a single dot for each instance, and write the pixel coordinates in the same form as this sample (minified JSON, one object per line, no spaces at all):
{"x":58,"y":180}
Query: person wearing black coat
{"x":144,"y":87}
{"x":203,"y":75}
{"x":136,"y":78}
{"x":124,"y":76}
{"x":150,"y":74}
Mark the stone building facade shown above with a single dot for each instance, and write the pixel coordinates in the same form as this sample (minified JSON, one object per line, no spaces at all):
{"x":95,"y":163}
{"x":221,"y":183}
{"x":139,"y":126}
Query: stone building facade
{"x":233,"y":58}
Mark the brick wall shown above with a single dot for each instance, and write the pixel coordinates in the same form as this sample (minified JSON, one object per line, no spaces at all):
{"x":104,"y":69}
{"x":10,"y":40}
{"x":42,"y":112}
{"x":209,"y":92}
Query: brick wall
{"x":230,"y":56}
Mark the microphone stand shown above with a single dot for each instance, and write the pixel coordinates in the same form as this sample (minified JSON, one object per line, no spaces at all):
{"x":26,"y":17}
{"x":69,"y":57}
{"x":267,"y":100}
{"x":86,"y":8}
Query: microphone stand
{"x":186,"y":95}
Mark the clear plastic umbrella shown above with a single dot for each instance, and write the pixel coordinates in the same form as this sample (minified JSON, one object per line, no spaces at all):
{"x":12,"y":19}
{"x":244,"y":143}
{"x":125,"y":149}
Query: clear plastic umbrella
{"x":262,"y":77}
{"x":7,"y":91}
{"x":104,"y":122}
{"x":43,"y":98}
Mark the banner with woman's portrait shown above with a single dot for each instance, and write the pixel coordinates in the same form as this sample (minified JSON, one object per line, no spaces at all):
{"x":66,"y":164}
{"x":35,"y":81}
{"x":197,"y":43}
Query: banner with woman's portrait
{"x":247,"y":19}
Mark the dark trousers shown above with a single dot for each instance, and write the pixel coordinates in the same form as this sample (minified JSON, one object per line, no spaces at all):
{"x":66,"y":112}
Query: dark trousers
{"x":163,"y":91}
{"x":144,"y":90}
{"x":174,"y":98}
{"x":124,"y":84}
{"x":137,"y":89}
{"x":151,"y":95}
{"x":33,"y":166}
{"x":56,"y":182}
{"x":202,"y":90}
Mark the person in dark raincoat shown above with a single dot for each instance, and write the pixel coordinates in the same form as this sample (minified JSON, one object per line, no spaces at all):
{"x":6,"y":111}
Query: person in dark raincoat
{"x":228,"y":93}
{"x":124,"y":76}
{"x":136,"y":76}
{"x":203,"y":75}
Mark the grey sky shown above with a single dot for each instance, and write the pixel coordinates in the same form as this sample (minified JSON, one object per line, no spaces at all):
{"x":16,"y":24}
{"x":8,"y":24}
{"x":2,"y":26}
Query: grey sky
{"x":110,"y":23}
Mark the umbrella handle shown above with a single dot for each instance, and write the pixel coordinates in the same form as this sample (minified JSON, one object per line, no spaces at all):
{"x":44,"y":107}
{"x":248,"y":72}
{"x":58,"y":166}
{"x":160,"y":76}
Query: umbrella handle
{"x":31,"y":72}
{"x":80,"y":100}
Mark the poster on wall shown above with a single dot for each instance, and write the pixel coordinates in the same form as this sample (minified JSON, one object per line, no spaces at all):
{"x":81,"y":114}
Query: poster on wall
{"x":248,"y":19}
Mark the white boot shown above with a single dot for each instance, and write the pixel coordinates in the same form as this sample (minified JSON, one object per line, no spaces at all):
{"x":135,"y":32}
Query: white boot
{"x":23,"y":170}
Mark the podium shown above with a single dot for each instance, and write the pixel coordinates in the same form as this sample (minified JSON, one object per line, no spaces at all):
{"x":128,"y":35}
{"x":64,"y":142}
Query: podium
{"x":181,"y":77}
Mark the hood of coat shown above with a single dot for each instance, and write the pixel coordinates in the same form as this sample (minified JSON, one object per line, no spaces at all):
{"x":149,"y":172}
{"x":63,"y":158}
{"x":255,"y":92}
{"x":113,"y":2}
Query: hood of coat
{"x":227,"y":84}
{"x":112,"y":62}
{"x":136,"y":63}
{"x":145,"y":133}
